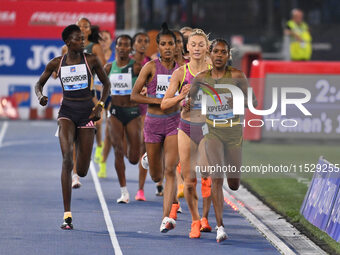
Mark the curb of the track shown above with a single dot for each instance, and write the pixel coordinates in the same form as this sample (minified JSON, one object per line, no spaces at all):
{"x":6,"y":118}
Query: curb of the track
{"x":284,"y":236}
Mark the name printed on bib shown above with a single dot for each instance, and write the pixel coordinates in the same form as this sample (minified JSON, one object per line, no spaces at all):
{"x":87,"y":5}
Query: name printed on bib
{"x":163,"y":81}
{"x":216,"y":110}
{"x":74,"y":77}
{"x":121,"y":83}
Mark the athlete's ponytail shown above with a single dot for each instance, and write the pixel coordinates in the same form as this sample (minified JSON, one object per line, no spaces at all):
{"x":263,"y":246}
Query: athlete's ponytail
{"x":94,"y":36}
{"x":165,"y":31}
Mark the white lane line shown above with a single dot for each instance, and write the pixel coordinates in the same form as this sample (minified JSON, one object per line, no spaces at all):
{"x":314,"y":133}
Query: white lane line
{"x":106,"y":213}
{"x":3,"y":131}
{"x":269,"y":235}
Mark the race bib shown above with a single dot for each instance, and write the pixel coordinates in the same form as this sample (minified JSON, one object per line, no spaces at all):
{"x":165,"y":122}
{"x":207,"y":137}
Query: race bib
{"x":121,"y":83}
{"x":74,"y":77}
{"x":216,"y":110}
{"x":163,"y":81}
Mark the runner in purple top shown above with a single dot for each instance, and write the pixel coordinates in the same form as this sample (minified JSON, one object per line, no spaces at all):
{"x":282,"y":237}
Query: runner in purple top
{"x":160,"y":127}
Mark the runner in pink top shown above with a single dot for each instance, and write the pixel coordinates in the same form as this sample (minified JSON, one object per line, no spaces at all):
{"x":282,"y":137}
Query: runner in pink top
{"x":160,"y":127}
{"x":190,"y":128}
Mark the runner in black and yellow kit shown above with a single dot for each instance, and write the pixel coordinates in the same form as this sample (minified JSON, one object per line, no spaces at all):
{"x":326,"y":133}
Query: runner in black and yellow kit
{"x":125,"y":116}
{"x":77,"y":112}
{"x":222,"y":140}
{"x":91,"y":46}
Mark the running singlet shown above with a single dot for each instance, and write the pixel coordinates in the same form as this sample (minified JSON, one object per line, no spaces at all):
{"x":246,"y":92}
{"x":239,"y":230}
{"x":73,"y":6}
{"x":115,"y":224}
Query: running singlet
{"x":88,"y":48}
{"x":188,"y":76}
{"x":76,"y":80}
{"x":161,"y":80}
{"x":217,"y":106}
{"x":122,"y":79}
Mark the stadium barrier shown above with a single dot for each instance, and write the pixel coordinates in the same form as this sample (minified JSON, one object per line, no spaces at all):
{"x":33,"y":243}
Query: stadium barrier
{"x":321,"y":206}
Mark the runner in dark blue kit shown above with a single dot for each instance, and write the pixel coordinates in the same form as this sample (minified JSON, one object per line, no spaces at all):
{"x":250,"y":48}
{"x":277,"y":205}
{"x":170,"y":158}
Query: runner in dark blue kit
{"x":77,"y":112}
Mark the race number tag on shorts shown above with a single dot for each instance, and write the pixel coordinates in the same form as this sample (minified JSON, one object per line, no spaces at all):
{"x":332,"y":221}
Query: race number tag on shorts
{"x":74,"y":77}
{"x":216,"y":110}
{"x":121,"y":83}
{"x":205,"y":129}
{"x":163,"y":81}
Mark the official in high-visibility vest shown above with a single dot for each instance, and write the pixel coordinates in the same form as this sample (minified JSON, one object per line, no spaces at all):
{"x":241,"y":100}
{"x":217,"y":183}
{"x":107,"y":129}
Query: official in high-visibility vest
{"x":300,"y":38}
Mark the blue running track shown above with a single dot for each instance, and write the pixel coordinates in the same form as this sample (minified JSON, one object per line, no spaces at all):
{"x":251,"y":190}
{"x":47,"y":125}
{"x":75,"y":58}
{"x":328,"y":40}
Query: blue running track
{"x":31,"y":208}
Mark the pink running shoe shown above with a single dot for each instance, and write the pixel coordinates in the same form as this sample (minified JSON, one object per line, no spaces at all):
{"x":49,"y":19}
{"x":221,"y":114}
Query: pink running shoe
{"x":140,"y":195}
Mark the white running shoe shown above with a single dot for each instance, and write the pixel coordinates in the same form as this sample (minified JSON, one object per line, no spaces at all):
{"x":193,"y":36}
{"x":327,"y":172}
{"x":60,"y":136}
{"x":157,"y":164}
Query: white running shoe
{"x":179,"y":210}
{"x":124,"y":198}
{"x":167,"y":224}
{"x":76,"y":184}
{"x":144,"y":161}
{"x":221,"y":234}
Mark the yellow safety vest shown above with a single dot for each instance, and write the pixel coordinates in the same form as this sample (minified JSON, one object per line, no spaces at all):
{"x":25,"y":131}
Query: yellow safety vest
{"x":300,"y":50}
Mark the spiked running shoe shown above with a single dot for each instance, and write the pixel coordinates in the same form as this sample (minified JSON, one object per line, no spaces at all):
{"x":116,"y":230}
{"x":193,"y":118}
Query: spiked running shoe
{"x":206,"y":187}
{"x":124,"y":199}
{"x":76,"y":184}
{"x":205,"y":227}
{"x":98,"y":154}
{"x":167,"y":224}
{"x":180,"y":191}
{"x":173,"y":212}
{"x":144,"y":161}
{"x":221,"y":234}
{"x":195,"y":229}
{"x":140,"y":195}
{"x":102,"y":170}
{"x":67,"y":225}
{"x":159,"y":190}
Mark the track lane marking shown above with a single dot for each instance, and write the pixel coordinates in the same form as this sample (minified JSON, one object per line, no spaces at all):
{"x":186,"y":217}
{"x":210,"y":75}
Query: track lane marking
{"x":3,"y":131}
{"x":106,"y":213}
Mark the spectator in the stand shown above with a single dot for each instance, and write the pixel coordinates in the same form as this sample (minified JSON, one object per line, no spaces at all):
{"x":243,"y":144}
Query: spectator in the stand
{"x":300,"y":37}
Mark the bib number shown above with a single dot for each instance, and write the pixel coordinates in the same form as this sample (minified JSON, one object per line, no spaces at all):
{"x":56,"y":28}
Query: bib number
{"x":216,"y":110}
{"x":121,"y":83}
{"x":74,"y":77}
{"x":163,"y":82}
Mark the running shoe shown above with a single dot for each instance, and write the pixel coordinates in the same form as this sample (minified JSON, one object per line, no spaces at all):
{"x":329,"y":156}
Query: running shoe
{"x":180,"y":190}
{"x":205,"y":227}
{"x":98,"y":154}
{"x":159,"y":190}
{"x":167,"y":224}
{"x":102,"y":170}
{"x":124,"y":198}
{"x":144,"y":161}
{"x":179,"y":210}
{"x":67,"y":225}
{"x":221,"y":234}
{"x":195,"y":229}
{"x":206,"y":187}
{"x":76,"y":184}
{"x":173,"y":212}
{"x":140,"y":195}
